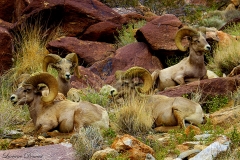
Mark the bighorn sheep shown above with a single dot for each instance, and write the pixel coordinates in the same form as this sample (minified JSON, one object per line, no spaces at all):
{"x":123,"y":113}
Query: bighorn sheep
{"x":190,"y":68}
{"x":65,"y":67}
{"x":65,"y":115}
{"x":167,"y":111}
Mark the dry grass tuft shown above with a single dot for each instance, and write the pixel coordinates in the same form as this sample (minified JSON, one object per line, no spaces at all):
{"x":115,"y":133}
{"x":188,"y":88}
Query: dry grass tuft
{"x":30,"y":46}
{"x":225,"y":58}
{"x":133,"y":117}
{"x":11,"y":116}
{"x":87,"y":142}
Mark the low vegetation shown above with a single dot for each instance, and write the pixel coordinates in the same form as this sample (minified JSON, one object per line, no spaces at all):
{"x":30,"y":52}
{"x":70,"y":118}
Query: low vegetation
{"x":133,"y":117}
{"x":127,"y":33}
{"x":226,"y":57}
{"x":86,"y":142}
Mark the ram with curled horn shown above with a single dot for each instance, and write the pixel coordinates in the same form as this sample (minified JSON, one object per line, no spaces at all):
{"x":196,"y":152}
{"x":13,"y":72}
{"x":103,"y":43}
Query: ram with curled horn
{"x":64,"y":115}
{"x":65,"y":67}
{"x":168,"y":112}
{"x":134,"y":79}
{"x":190,"y":68}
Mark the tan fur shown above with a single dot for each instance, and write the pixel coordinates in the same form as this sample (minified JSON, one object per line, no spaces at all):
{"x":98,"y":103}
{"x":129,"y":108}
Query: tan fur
{"x":66,"y":68}
{"x":61,"y":114}
{"x":173,"y":111}
{"x":191,"y":67}
{"x":168,"y":112}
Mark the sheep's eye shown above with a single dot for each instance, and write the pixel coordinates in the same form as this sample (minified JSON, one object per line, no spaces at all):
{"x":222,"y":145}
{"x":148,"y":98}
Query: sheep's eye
{"x":26,"y":90}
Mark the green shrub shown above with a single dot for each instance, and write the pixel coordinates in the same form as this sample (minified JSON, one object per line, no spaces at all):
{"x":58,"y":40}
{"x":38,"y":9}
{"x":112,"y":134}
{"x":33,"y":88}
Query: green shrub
{"x":127,"y":33}
{"x":91,"y":95}
{"x":214,"y":103}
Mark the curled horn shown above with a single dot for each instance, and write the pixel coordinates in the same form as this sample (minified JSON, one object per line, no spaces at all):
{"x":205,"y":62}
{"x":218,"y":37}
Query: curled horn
{"x":185,"y":31}
{"x":46,"y":79}
{"x":50,"y":58}
{"x":141,"y":73}
{"x":74,"y":59}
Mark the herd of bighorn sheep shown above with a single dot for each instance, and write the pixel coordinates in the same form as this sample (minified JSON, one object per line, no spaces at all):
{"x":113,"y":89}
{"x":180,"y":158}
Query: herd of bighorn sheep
{"x":49,"y":112}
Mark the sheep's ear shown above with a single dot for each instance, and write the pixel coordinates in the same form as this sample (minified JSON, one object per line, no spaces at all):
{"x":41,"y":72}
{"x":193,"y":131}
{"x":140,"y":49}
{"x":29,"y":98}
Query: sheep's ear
{"x":74,"y":59}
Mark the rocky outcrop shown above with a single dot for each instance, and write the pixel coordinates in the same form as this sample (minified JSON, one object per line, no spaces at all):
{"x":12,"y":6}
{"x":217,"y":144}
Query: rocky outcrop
{"x":89,"y":52}
{"x":132,"y":147}
{"x":135,"y":54}
{"x":6,"y":48}
{"x":207,"y":87}
{"x":160,"y":32}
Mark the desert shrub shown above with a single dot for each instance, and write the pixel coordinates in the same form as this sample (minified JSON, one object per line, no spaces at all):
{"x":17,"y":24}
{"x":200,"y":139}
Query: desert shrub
{"x":214,"y":21}
{"x":87,"y":142}
{"x":233,"y":29}
{"x":214,"y":103}
{"x":10,"y":115}
{"x":225,"y":58}
{"x":91,"y":95}
{"x":133,"y":117}
{"x":127,"y":33}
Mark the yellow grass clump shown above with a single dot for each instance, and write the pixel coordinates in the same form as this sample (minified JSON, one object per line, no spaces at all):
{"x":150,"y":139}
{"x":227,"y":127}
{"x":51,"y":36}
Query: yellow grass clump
{"x":225,"y":58}
{"x":133,"y":117}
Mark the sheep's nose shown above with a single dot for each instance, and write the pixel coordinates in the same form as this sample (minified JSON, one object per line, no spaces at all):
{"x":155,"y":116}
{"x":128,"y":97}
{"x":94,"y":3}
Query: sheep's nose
{"x":13,"y":98}
{"x":208,"y":47}
{"x":113,"y":92}
{"x":68,"y":75}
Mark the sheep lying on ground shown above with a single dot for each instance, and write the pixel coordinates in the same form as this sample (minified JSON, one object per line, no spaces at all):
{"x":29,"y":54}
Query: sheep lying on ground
{"x":65,"y":115}
{"x":190,"y":68}
{"x":65,"y":67}
{"x":167,"y":111}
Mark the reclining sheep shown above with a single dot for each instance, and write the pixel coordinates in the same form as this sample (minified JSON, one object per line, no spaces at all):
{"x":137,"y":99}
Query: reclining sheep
{"x":65,"y":115}
{"x":190,"y":68}
{"x":65,"y":67}
{"x":167,"y":111}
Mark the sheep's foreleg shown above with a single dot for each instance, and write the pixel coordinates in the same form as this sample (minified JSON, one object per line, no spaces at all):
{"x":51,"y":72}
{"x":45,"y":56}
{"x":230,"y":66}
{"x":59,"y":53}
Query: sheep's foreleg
{"x":180,"y":119}
{"x":179,"y":80}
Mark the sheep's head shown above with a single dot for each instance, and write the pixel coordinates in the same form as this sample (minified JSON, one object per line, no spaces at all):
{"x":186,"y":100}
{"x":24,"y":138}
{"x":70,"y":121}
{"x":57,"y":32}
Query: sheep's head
{"x":29,"y":89}
{"x":65,"y":66}
{"x":196,"y":38}
{"x":108,"y":90}
{"x":125,"y":79}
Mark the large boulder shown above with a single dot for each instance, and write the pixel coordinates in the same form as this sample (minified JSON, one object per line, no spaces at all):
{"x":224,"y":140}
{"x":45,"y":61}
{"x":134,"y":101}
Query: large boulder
{"x":76,"y":17}
{"x":208,"y":87}
{"x":6,"y":48}
{"x":88,"y":52}
{"x":7,"y":10}
{"x":87,"y":79}
{"x":134,"y":54}
{"x":160,"y":32}
{"x":135,"y":149}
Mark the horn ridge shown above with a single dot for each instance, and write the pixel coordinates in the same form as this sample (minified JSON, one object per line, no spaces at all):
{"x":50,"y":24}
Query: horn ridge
{"x":46,"y":79}
{"x":50,"y":58}
{"x":141,"y":73}
{"x":185,"y":31}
